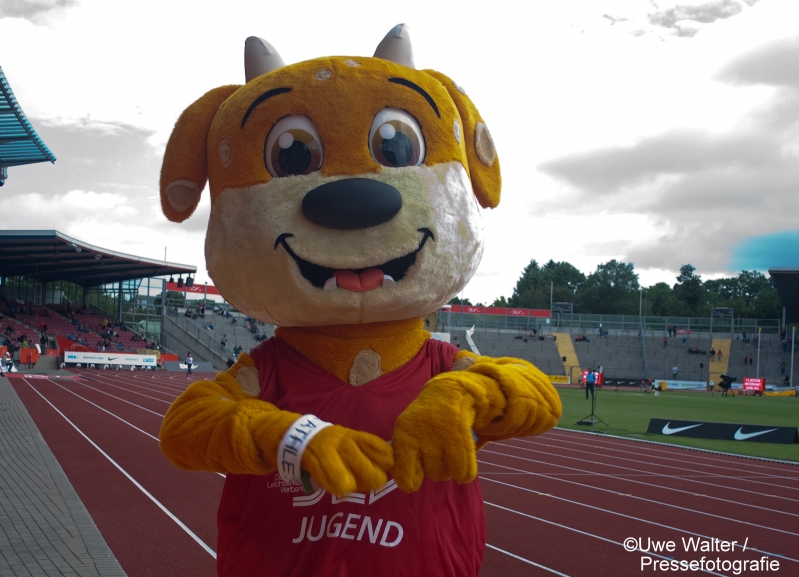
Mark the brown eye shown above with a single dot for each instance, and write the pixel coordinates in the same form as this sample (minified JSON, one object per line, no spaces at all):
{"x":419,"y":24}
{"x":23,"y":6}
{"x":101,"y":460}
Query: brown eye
{"x":293,"y":147}
{"x":395,"y":139}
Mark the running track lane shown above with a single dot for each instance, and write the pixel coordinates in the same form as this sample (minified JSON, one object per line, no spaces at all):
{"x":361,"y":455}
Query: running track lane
{"x":147,"y":542}
{"x":524,"y":537}
{"x":579,"y":495}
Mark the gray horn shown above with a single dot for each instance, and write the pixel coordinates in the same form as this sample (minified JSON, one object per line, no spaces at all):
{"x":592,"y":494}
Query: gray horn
{"x":396,"y":47}
{"x":260,"y":57}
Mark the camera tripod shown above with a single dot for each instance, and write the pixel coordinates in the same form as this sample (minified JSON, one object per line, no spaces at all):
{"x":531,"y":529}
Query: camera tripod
{"x":592,"y":419}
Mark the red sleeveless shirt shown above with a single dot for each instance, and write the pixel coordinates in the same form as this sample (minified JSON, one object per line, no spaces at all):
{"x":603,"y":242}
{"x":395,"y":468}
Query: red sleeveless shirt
{"x":269,"y":528}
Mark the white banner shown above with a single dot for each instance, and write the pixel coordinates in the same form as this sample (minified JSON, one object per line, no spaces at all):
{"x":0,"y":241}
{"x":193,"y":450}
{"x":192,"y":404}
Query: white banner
{"x":110,"y":359}
{"x":681,"y":385}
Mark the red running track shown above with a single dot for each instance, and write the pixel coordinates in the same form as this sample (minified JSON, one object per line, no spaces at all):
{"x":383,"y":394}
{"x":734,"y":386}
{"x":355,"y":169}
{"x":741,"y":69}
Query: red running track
{"x":560,"y":504}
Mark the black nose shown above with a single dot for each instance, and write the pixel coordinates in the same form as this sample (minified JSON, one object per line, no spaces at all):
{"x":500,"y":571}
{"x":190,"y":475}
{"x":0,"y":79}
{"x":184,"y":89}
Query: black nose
{"x":352,"y":203}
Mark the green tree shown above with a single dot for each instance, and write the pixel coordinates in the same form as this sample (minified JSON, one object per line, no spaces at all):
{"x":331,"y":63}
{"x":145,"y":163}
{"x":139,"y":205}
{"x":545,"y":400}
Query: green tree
{"x":689,"y":291}
{"x":661,"y":301}
{"x":611,"y":289}
{"x":457,"y":301}
{"x":533,"y":288}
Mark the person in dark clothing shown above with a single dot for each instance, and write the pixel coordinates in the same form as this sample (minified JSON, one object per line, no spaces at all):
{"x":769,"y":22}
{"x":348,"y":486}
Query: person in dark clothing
{"x":590,"y":383}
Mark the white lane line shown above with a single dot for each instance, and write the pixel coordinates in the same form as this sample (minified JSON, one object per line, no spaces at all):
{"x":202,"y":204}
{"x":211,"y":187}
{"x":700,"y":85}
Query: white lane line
{"x":691,"y":455}
{"x":584,"y":486}
{"x":656,"y":460}
{"x":115,"y":416}
{"x":660,"y":486}
{"x":127,"y":381}
{"x":138,"y":485}
{"x":674,"y":467}
{"x":735,"y":459}
{"x":509,"y":554}
{"x":105,"y":410}
{"x":595,"y":536}
{"x":121,"y":399}
{"x":131,"y":392}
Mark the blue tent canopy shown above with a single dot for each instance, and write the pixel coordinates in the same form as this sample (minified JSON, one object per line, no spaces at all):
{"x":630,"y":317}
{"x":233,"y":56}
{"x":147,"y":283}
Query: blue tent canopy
{"x":19,"y":143}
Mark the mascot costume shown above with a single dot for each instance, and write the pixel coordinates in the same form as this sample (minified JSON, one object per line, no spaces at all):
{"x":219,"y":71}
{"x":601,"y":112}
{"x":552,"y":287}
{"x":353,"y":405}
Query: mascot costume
{"x":345,"y":205}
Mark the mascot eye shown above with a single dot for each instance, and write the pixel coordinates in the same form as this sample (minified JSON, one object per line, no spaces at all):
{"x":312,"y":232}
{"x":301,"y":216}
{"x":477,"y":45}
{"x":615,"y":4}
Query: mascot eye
{"x":395,"y":139}
{"x":293,"y":147}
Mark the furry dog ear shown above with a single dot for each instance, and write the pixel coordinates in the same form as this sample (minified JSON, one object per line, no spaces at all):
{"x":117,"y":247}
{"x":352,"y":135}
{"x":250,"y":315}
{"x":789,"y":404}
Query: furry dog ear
{"x":480,"y":152}
{"x":185,"y":168}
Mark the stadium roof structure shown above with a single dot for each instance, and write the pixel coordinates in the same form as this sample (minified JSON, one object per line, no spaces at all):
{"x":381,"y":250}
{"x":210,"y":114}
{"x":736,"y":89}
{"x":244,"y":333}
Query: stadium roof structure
{"x":48,"y":255}
{"x":786,"y":281}
{"x":19,"y":143}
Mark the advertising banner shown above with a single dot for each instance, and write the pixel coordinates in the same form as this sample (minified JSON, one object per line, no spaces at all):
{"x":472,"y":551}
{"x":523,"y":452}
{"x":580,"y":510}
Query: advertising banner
{"x":196,"y":289}
{"x":626,"y":382}
{"x":683,"y":331}
{"x":97,"y":358}
{"x":201,"y":367}
{"x":723,"y":431}
{"x":65,"y":344}
{"x":674,"y":385}
{"x":754,"y":385}
{"x":500,"y":311}
{"x":599,"y":378}
{"x":29,"y":356}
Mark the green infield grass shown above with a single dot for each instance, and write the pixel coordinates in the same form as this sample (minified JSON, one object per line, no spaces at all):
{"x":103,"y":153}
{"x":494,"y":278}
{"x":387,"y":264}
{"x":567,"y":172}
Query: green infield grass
{"x":627,"y":415}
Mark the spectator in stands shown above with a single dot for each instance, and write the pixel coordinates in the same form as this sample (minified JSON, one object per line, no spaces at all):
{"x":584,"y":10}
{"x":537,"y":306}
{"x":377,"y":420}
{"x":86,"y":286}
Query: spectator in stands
{"x":786,"y":382}
{"x":189,"y":363}
{"x":719,"y":354}
{"x":782,"y":368}
{"x":712,"y":354}
{"x":674,"y":370}
{"x":223,"y":342}
{"x":665,"y":342}
{"x":119,"y":346}
{"x":230,"y":362}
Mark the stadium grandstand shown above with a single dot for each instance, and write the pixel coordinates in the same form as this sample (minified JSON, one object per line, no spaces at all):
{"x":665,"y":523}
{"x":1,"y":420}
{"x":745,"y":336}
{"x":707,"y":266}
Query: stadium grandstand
{"x":59,"y":293}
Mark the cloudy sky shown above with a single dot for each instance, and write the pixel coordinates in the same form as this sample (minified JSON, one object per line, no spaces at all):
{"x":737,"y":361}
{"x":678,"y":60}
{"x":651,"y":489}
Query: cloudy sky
{"x":654,"y":132}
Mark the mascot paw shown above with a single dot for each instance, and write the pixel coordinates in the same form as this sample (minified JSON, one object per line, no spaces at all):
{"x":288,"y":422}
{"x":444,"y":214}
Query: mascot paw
{"x":343,"y":460}
{"x":433,"y":436}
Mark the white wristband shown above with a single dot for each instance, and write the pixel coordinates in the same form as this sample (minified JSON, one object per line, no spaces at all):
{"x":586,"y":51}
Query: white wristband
{"x":296,"y":439}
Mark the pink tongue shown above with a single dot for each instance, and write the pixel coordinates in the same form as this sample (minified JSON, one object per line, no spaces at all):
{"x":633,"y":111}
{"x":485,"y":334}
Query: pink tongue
{"x":369,"y":279}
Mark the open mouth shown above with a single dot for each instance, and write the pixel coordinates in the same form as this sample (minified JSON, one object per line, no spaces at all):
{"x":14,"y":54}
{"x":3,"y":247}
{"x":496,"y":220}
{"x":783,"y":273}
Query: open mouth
{"x":359,"y":279}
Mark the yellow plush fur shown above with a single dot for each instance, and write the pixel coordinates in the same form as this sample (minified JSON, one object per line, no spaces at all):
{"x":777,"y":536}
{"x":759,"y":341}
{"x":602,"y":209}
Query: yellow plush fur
{"x":334,"y":347}
{"x":258,"y":230}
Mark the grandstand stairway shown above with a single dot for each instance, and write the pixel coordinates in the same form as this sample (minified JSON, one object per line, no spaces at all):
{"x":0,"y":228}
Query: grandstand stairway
{"x":720,"y":367}
{"x":568,"y":356}
{"x":46,"y":363}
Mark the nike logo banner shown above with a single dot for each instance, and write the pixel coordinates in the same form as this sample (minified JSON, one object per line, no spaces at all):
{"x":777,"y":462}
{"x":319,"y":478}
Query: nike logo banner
{"x":723,"y":431}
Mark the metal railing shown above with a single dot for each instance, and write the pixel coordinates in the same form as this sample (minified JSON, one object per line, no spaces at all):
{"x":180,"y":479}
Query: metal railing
{"x":589,"y":323}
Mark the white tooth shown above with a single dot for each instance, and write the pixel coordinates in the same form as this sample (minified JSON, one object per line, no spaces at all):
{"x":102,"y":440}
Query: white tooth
{"x":331,"y":284}
{"x":387,"y":281}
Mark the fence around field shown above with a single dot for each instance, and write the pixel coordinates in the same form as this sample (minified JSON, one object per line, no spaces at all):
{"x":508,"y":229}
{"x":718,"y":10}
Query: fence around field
{"x":589,"y":323}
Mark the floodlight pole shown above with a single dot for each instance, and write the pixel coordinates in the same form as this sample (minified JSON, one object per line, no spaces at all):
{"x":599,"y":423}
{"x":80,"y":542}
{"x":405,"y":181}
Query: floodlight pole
{"x":793,"y":335}
{"x":758,"y":351}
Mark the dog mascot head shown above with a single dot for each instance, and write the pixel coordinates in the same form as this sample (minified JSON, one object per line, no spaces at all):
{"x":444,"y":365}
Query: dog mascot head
{"x":344,"y":190}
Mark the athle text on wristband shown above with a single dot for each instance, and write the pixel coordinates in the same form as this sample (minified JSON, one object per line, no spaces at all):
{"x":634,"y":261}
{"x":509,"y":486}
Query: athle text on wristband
{"x":293,"y":444}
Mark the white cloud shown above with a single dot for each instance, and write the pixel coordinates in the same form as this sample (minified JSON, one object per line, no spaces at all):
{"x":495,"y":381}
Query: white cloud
{"x":608,"y":82}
